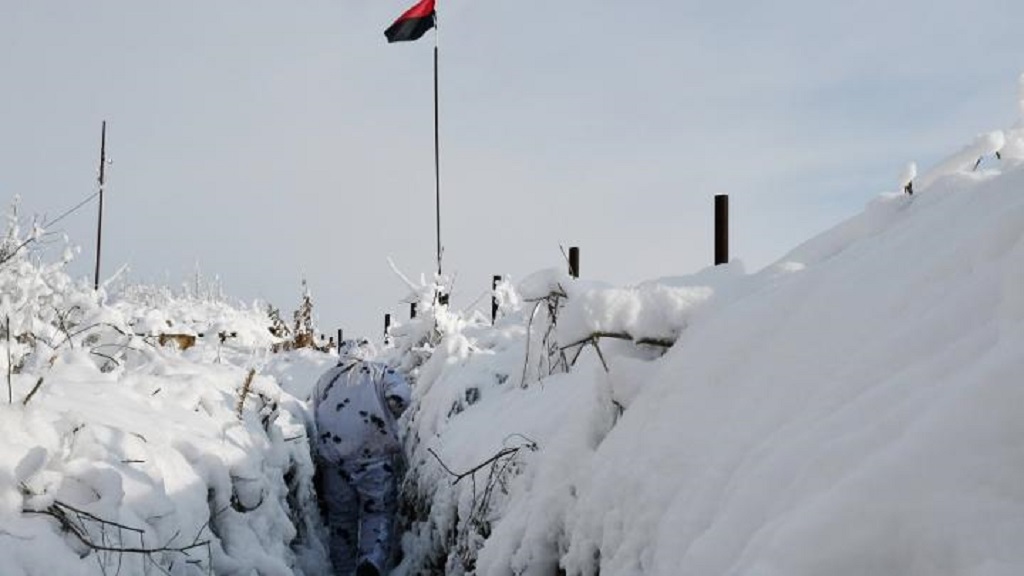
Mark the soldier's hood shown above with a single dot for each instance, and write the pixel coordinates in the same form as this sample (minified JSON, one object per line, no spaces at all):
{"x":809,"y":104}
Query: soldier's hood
{"x":355,"y":350}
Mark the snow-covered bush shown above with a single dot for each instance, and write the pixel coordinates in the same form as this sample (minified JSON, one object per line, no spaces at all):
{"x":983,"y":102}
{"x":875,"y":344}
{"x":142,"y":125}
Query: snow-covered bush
{"x":550,"y":360}
{"x":120,"y":455}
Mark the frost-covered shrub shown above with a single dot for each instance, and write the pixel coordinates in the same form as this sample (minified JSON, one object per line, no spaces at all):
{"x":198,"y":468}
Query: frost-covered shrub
{"x":118,"y":455}
{"x":491,"y":402}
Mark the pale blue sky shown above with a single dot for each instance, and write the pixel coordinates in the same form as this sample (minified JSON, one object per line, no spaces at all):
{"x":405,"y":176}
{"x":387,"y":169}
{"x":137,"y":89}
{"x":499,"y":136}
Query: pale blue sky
{"x":270,"y":141}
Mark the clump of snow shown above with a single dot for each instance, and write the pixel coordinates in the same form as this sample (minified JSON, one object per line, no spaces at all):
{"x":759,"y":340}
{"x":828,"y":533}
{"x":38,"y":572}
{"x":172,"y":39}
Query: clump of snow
{"x":153,"y":310}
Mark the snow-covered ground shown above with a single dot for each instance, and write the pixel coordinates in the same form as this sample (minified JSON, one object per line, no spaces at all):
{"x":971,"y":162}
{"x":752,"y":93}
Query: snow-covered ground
{"x":119,"y":455}
{"x":854,"y":408}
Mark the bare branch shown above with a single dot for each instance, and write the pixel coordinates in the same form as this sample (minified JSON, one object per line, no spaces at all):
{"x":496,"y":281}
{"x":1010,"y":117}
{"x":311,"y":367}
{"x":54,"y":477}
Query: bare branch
{"x":10,"y":367}
{"x":97,"y":325}
{"x":600,"y":355}
{"x":59,"y":511}
{"x":32,"y":392}
{"x":105,"y":356}
{"x":6,"y":256}
{"x":593,"y":336}
{"x":532,"y":446}
{"x":246,"y":388}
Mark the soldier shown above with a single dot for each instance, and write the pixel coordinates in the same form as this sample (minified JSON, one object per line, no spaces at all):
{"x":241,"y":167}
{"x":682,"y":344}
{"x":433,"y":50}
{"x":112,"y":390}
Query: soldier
{"x":357,"y":455}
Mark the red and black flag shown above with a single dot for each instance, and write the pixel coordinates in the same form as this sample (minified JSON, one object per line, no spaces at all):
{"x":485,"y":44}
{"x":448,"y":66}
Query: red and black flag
{"x":413,"y":23}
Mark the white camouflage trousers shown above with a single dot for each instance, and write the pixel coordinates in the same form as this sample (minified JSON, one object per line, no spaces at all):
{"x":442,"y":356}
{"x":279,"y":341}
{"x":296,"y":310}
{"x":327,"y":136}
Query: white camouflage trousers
{"x":360,"y":499}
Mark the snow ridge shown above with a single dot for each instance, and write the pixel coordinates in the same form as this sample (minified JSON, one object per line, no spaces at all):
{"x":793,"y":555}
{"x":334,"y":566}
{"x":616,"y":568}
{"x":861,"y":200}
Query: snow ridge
{"x":119,"y":455}
{"x":851,"y":409}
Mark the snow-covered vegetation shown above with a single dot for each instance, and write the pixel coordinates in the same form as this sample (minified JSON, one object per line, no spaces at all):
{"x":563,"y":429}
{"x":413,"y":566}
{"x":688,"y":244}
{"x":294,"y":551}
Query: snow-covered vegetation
{"x":853,"y":408}
{"x":122,"y":453}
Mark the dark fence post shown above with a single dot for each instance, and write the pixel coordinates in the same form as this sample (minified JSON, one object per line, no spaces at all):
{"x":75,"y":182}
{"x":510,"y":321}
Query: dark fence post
{"x":341,"y":333}
{"x":494,"y":298}
{"x":387,"y":327}
{"x":721,"y":229}
{"x":412,"y":310}
{"x":574,"y":261}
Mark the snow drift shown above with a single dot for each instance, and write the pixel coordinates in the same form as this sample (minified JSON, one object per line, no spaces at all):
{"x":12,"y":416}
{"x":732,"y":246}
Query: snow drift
{"x":118,"y":455}
{"x":854,"y":408}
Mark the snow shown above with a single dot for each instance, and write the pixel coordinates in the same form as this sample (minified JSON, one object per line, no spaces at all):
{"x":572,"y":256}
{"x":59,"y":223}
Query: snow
{"x":984,"y":145}
{"x":852,"y":408}
{"x":139,"y":450}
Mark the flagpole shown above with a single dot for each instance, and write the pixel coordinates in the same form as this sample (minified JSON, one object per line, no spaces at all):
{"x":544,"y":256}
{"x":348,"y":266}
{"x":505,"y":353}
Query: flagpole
{"x":437,"y":152}
{"x":411,"y":25}
{"x":99,"y":220}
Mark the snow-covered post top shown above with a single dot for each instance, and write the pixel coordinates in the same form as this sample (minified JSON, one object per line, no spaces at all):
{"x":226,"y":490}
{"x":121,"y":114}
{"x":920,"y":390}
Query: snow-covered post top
{"x":543,"y":283}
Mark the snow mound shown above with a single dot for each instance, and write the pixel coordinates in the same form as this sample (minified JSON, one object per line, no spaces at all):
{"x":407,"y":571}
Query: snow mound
{"x":119,"y":455}
{"x":851,"y":409}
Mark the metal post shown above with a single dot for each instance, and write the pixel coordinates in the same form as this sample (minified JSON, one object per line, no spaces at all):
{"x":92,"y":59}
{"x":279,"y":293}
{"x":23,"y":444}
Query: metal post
{"x":99,"y":221}
{"x":494,"y":298}
{"x":721,"y":229}
{"x":412,"y":310}
{"x":437,"y":158}
{"x":574,"y":261}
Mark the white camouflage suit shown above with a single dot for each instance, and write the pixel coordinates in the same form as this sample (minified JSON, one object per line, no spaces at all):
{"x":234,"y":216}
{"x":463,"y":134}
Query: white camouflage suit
{"x":357,"y":453}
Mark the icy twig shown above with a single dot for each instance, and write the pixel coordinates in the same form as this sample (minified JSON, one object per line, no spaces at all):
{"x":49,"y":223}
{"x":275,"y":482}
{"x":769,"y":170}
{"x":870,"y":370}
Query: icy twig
{"x":526,"y":359}
{"x":507,"y":451}
{"x":32,"y":393}
{"x":72,"y":520}
{"x":246,"y":388}
{"x":594,"y":336}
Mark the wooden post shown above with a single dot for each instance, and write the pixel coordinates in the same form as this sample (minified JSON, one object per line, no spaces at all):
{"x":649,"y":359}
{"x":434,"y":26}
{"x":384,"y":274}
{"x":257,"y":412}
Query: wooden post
{"x":341,"y":333}
{"x":574,"y":261}
{"x":721,"y":229}
{"x":494,"y":298}
{"x":99,"y":221}
{"x":387,"y":327}
{"x":412,"y":310}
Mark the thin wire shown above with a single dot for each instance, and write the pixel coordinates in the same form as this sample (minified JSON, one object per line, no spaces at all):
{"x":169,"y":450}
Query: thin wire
{"x":71,"y":211}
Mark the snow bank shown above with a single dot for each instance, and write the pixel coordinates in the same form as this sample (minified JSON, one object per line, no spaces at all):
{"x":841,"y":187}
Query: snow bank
{"x":984,"y":145}
{"x":855,"y":417}
{"x":852,"y":409}
{"x":121,"y":456}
